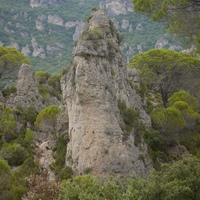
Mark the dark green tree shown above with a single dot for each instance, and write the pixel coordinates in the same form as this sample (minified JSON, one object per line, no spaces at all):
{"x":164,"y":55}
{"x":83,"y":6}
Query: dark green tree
{"x":7,"y":124}
{"x":48,"y":116}
{"x":166,"y":71}
{"x":6,"y":181}
{"x":182,"y":17}
{"x":10,"y":61}
{"x":179,"y":181}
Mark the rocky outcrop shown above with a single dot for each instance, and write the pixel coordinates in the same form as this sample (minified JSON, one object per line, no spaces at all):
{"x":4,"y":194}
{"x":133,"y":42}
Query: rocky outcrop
{"x":38,"y":50}
{"x":55,"y":19}
{"x":125,"y":24}
{"x":43,"y":3}
{"x":39,"y":25}
{"x":92,"y":87}
{"x":26,"y":50}
{"x":27,"y":91}
{"x":78,"y":31}
{"x":118,"y":7}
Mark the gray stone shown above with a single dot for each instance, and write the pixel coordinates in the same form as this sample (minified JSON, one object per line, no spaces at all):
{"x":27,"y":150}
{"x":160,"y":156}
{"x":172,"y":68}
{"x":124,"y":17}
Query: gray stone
{"x":91,"y":89}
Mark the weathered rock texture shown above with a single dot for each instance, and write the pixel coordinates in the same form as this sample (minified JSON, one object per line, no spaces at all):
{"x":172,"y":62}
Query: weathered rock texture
{"x":27,"y":92}
{"x":94,"y":83}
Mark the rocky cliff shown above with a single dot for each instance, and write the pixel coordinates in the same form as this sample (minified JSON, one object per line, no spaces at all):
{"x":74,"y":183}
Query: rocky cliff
{"x":94,"y":84}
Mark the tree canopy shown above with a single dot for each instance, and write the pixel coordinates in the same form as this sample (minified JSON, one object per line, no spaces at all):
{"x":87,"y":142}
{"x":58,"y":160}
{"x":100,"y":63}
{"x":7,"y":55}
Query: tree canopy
{"x":10,"y":57}
{"x":178,"y":181}
{"x":166,"y":71}
{"x":183,"y":16}
{"x":10,"y":61}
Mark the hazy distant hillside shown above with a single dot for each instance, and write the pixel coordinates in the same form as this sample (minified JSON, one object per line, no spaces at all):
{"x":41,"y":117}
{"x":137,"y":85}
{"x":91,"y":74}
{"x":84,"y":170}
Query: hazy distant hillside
{"x":45,"y":30}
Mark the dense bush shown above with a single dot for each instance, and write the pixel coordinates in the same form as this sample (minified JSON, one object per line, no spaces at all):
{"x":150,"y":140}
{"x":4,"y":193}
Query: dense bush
{"x":48,"y":85}
{"x":6,"y":181}
{"x":7,"y":124}
{"x":42,"y":76}
{"x":9,"y":90}
{"x":131,"y":120}
{"x":180,"y":181}
{"x":165,"y":71}
{"x":14,"y":154}
{"x":31,"y":114}
{"x":184,"y":96}
{"x":48,"y":114}
{"x":168,"y":120}
{"x":60,"y":154}
{"x":10,"y":61}
{"x":54,"y":81}
{"x":89,"y":188}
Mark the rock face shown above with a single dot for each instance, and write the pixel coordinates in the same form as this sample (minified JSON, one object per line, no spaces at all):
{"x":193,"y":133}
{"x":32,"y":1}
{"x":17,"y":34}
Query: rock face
{"x":55,"y":19}
{"x":27,"y":91}
{"x":94,"y":83}
{"x":118,"y":7}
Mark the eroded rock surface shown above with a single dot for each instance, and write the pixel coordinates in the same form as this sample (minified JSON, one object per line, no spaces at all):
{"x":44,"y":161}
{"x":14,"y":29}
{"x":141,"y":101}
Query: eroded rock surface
{"x":27,"y":91}
{"x":92,"y":87}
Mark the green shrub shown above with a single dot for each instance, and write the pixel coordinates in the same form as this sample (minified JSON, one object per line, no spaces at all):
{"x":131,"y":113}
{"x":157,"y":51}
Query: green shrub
{"x":27,"y":168}
{"x":14,"y":154}
{"x":6,"y":181}
{"x":9,"y":90}
{"x":88,"y":187}
{"x":48,"y":114}
{"x":155,"y":140}
{"x":184,"y":96}
{"x":65,"y":173}
{"x":56,"y":93}
{"x":60,"y":154}
{"x":129,"y":115}
{"x":7,"y":124}
{"x":94,"y":9}
{"x":43,"y":90}
{"x":168,"y":120}
{"x":131,"y":120}
{"x":42,"y":77}
{"x":54,"y":81}
{"x":29,"y":136}
{"x":31,"y":114}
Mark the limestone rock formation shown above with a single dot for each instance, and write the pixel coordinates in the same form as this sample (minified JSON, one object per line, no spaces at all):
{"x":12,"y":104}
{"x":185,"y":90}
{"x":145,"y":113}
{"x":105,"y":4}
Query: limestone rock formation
{"x":55,"y":19}
{"x":27,"y":91}
{"x":92,"y":87}
{"x":118,"y":7}
{"x":43,"y":3}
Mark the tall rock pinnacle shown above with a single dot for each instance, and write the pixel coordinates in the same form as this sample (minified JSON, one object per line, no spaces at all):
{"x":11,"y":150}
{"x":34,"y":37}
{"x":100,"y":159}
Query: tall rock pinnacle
{"x":92,"y":88}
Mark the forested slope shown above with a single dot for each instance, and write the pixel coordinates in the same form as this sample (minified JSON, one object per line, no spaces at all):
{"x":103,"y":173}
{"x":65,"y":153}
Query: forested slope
{"x":46,"y":30}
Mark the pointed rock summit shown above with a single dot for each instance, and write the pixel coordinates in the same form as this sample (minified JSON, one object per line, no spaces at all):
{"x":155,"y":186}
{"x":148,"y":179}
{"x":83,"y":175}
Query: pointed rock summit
{"x":93,"y":86}
{"x":27,"y":91}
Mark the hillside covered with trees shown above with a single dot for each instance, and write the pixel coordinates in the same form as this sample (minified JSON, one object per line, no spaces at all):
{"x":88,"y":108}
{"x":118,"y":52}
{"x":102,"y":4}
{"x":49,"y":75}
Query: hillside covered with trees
{"x":45,"y":31}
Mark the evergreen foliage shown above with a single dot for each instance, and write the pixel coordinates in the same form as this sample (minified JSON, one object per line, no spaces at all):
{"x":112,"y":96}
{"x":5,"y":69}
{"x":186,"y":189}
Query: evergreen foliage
{"x":178,"y":15}
{"x":48,"y":85}
{"x":173,"y":181}
{"x":7,"y":125}
{"x":55,"y":38}
{"x":42,"y":76}
{"x":184,"y":96}
{"x":6,"y":181}
{"x":14,"y":154}
{"x":58,"y":166}
{"x":10,"y":60}
{"x":165,"y":70}
{"x":48,"y":114}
